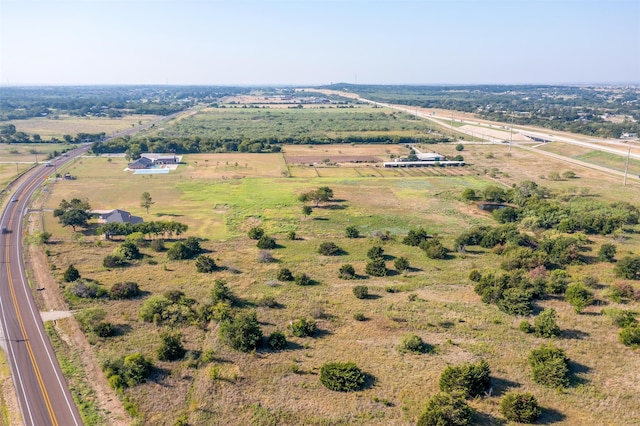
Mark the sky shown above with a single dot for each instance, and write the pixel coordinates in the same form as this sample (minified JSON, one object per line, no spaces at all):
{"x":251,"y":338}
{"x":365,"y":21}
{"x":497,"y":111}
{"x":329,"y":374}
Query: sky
{"x":314,"y":42}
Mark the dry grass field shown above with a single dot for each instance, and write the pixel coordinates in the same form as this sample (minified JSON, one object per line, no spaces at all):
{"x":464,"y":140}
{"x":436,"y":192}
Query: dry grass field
{"x":220,"y":201}
{"x":48,"y":127}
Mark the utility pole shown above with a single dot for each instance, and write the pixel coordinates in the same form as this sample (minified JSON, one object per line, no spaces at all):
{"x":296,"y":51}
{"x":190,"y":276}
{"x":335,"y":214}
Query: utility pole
{"x":626,"y":166}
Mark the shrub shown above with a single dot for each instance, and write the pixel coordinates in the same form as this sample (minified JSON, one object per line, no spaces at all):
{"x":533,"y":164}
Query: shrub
{"x":284,"y":274}
{"x":359,"y":316}
{"x":361,"y":291}
{"x":434,"y":249}
{"x":71,"y":274}
{"x":520,"y":407}
{"x":469,"y":194}
{"x":526,"y":327}
{"x":621,"y":318}
{"x":292,"y":235}
{"x":126,"y":290}
{"x":111,"y":261}
{"x":628,"y":267}
{"x":205,"y":264}
{"x":549,"y":366}
{"x":186,"y":249}
{"x":104,"y":329}
{"x":351,"y":232}
{"x":303,"y":327}
{"x":341,"y":377}
{"x":220,"y":292}
{"x":329,"y":249}
{"x":569,"y":174}
{"x":128,"y":371}
{"x":44,"y":237}
{"x":255,"y":233}
{"x":545,"y":324}
{"x":347,"y":272}
{"x":302,"y":279}
{"x":157,"y":245}
{"x":306,"y":210}
{"x":413,"y":343}
{"x":401,"y":263}
{"x":265,"y":256}
{"x":558,"y":281}
{"x":607,"y":252}
{"x":471,"y":380}
{"x":415,"y":237}
{"x":475,"y":275}
{"x":277,"y":341}
{"x":444,"y":409}
{"x":630,"y":336}
{"x":516,"y":301}
{"x":376,"y":268}
{"x":127,"y":251}
{"x":578,"y":296}
{"x":459,"y":147}
{"x":266,"y":243}
{"x":86,"y":290}
{"x":620,"y":291}
{"x":171,"y":347}
{"x":375,"y":252}
{"x":241,"y":333}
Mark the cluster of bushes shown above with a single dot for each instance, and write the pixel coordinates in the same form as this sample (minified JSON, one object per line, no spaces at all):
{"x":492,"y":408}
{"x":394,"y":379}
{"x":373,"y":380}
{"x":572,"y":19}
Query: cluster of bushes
{"x":630,"y":327}
{"x":127,"y":371}
{"x":544,"y":325}
{"x":539,"y":210}
{"x":155,"y":228}
{"x":342,"y":376}
{"x":172,"y":308}
{"x":182,"y":250}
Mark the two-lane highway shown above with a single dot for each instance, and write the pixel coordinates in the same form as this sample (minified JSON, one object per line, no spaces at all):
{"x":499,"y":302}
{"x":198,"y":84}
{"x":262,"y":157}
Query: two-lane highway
{"x":41,"y":388}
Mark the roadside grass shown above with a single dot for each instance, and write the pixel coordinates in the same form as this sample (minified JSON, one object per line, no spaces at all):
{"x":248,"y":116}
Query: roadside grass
{"x":8,"y":415}
{"x":71,"y":366}
{"x":434,"y":299}
{"x":48,"y":127}
{"x":613,"y":161}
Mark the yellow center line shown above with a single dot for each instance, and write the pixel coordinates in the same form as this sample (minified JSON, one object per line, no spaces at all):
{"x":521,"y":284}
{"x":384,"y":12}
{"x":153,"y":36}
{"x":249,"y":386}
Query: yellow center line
{"x":36,"y":370}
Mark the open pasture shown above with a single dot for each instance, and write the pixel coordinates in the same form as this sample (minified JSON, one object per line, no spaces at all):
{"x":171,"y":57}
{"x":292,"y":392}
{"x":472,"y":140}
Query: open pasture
{"x":49,"y":127}
{"x":434,"y":299}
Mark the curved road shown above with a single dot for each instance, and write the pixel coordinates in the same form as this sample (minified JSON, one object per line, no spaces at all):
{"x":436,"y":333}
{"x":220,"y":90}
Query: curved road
{"x":41,"y":388}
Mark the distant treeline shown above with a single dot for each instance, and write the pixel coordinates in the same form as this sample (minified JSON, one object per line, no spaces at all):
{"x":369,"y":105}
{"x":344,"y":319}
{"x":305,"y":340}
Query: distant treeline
{"x":196,"y":144}
{"x":8,"y":134}
{"x":568,"y":108}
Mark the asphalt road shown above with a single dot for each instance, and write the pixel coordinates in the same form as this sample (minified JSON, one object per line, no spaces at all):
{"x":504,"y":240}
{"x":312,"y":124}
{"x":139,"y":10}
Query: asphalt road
{"x":41,"y":388}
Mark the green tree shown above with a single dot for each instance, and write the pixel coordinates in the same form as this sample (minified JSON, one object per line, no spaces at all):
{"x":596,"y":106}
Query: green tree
{"x":303,"y":327}
{"x":73,"y":213}
{"x":342,"y":377}
{"x":306,"y":210}
{"x":376,"y":268}
{"x":401,"y":263}
{"x":628,"y":267}
{"x":277,"y":341}
{"x":444,"y":409}
{"x":544,"y":325}
{"x":205,"y":264}
{"x":329,"y":248}
{"x":266,"y":243}
{"x":347,"y":272}
{"x":521,"y":407}
{"x":472,"y":380}
{"x":255,"y":233}
{"x":241,"y":333}
{"x":284,"y":274}
{"x":171,"y":347}
{"x":361,"y":291}
{"x":630,"y":335}
{"x":578,"y":296}
{"x":351,"y":232}
{"x":549,"y":366}
{"x":71,"y":274}
{"x":375,"y":252}
{"x":146,"y":201}
{"x":607,"y":252}
{"x":459,"y":147}
{"x":469,"y":194}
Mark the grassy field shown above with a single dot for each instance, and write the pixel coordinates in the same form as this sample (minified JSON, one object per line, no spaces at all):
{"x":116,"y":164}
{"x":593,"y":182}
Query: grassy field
{"x":301,"y":124}
{"x":17,"y":158}
{"x":220,"y":201}
{"x":48,"y":127}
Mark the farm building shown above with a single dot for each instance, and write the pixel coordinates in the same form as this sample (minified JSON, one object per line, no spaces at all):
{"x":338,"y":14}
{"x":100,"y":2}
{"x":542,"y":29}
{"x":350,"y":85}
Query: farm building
{"x":141,"y":163}
{"x":148,"y":161}
{"x":116,"y":215}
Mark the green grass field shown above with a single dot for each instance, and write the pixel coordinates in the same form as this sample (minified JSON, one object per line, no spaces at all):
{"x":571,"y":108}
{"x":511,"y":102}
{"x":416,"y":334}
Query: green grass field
{"x":221,"y":202}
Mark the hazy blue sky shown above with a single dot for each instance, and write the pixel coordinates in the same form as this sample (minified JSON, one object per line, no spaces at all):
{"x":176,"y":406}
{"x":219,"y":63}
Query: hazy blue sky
{"x":302,"y":42}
